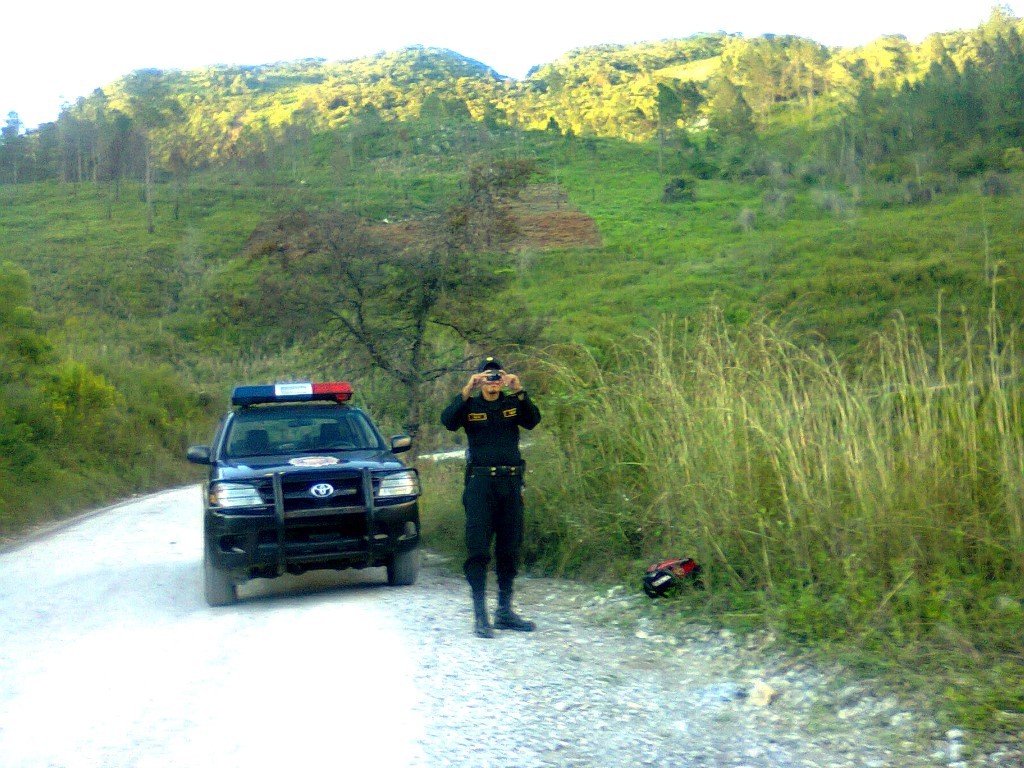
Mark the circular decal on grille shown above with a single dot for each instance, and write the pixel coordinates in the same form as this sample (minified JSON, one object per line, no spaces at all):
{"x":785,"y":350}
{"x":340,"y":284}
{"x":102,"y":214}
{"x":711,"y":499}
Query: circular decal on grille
{"x":321,"y":490}
{"x":313,"y":461}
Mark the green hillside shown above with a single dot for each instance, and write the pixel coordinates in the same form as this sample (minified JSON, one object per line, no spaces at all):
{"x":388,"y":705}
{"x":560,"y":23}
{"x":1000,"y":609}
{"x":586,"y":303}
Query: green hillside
{"x":768,"y":295}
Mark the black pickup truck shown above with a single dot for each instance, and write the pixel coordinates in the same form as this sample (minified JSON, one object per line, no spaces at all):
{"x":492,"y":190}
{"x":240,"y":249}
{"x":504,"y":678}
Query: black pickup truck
{"x":301,"y":480}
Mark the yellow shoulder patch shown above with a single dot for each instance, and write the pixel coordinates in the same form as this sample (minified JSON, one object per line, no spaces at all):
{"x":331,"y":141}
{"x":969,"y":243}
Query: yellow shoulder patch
{"x":476,"y":417}
{"x":510,"y":413}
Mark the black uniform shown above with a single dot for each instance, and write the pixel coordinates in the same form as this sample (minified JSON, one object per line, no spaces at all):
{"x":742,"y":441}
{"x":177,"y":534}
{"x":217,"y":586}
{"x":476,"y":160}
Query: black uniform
{"x":494,"y":481}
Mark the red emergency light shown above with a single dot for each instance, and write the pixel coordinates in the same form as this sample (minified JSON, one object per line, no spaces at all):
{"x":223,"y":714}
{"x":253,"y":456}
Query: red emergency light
{"x":291,"y":392}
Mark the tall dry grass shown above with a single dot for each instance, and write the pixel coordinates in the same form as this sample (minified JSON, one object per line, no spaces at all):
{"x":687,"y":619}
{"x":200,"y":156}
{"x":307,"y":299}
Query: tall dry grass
{"x":886,"y":501}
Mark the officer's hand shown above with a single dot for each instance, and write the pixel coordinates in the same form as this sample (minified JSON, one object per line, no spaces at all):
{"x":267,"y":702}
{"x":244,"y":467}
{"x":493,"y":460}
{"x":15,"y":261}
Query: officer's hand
{"x":512,"y":382}
{"x":474,"y":382}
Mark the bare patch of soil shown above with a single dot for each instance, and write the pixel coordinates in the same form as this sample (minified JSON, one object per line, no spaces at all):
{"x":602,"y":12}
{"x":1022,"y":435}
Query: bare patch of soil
{"x":543,"y":218}
{"x":546,"y":220}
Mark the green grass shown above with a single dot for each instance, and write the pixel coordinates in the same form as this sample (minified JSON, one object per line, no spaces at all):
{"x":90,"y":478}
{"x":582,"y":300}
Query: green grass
{"x":838,"y":274}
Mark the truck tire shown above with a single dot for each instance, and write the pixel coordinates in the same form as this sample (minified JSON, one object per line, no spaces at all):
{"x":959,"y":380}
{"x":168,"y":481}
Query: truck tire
{"x":218,"y":586}
{"x":404,"y":568}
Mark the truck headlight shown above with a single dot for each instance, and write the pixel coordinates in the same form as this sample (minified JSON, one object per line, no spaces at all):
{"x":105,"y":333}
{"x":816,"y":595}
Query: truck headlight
{"x":234,"y":495}
{"x":399,"y":484}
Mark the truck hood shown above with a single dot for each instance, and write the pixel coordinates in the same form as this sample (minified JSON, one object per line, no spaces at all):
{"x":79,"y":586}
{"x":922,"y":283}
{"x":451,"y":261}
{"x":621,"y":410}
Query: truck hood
{"x":261,"y":466}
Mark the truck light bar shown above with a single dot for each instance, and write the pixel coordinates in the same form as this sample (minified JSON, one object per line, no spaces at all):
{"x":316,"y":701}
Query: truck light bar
{"x":291,"y":392}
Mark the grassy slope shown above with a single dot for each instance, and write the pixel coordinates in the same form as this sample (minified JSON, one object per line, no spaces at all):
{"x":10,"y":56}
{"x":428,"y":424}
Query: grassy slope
{"x":107,"y":292}
{"x":840,"y":275}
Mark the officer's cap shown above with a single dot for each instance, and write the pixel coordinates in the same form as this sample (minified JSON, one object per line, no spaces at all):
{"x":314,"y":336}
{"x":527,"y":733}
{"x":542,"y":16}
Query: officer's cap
{"x":489,"y":362}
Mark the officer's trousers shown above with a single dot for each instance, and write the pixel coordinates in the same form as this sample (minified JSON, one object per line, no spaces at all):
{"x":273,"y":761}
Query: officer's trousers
{"x":494,"y":510}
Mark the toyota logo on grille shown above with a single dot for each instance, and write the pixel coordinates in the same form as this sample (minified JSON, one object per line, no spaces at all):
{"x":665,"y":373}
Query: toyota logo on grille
{"x":321,"y":490}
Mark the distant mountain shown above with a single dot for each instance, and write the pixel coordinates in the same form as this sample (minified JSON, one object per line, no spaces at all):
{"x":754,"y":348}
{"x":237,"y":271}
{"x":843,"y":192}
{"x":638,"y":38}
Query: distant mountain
{"x":709,"y":86}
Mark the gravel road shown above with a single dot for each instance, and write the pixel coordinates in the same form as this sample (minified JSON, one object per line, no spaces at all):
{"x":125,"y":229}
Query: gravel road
{"x":110,"y":658}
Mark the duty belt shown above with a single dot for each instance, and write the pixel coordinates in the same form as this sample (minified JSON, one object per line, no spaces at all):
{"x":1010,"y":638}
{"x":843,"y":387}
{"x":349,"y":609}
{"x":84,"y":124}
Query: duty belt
{"x":498,"y":471}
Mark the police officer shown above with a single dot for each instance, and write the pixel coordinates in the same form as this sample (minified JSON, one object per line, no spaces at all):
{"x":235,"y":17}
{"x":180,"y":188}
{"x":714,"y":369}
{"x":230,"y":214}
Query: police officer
{"x":493,"y":496}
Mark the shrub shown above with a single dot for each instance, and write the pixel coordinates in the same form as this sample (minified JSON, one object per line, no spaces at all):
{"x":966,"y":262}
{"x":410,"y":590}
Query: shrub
{"x":890,"y":172}
{"x":746,"y":221}
{"x":996,"y":185}
{"x":776,"y":202}
{"x":975,"y":160}
{"x":677,"y":191}
{"x":916,"y":193}
{"x":1013,"y":159}
{"x":832,"y":201}
{"x":812,"y":173}
{"x":703,"y":168}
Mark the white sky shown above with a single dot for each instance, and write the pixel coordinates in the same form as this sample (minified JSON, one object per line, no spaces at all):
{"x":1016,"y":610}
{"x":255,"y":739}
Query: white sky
{"x":53,"y":53}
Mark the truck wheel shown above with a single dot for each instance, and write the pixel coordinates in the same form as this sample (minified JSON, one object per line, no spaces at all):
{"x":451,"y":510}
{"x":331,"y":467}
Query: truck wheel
{"x":403,"y":568}
{"x":219,"y":587}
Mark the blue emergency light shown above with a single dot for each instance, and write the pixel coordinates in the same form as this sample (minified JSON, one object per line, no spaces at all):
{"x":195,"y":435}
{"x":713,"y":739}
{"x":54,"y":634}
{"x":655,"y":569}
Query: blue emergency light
{"x":291,"y":392}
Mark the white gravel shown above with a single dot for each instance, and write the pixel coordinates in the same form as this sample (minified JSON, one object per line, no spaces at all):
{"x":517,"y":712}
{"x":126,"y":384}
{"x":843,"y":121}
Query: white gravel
{"x":110,"y":658}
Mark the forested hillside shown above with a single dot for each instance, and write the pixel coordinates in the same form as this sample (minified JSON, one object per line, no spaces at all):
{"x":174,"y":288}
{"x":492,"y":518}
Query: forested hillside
{"x":768,"y":293}
{"x":860,"y":106}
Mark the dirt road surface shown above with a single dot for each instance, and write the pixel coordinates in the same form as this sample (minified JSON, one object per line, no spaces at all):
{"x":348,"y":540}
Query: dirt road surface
{"x":109,"y":658}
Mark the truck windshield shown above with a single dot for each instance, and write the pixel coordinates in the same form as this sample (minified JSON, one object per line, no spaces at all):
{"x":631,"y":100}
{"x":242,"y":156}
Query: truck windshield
{"x":280,"y":430}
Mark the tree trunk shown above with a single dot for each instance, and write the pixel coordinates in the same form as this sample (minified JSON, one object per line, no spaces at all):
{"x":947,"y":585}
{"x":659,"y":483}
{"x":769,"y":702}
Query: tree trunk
{"x":150,"y":228}
{"x":412,"y":413}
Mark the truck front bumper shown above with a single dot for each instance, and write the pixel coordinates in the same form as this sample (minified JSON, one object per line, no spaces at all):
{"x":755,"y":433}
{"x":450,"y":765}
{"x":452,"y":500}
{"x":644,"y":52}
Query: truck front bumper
{"x":271,"y":539}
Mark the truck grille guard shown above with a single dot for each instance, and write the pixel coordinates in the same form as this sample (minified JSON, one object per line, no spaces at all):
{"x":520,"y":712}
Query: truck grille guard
{"x":368,"y":508}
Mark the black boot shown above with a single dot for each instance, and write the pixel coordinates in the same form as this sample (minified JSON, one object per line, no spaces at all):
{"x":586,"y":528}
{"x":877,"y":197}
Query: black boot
{"x":506,"y":618}
{"x":482,"y":625}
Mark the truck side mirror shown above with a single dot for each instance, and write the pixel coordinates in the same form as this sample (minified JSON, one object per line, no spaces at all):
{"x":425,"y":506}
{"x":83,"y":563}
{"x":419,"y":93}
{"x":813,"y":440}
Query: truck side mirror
{"x":199,"y":454}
